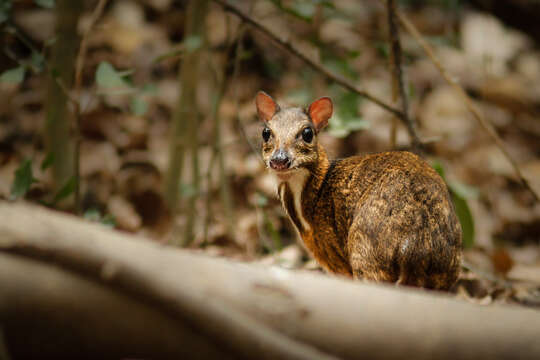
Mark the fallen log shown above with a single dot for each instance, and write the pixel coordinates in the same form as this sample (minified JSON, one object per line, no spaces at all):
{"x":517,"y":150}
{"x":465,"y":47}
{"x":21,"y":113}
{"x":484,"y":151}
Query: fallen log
{"x":238,"y":310}
{"x":46,"y":312}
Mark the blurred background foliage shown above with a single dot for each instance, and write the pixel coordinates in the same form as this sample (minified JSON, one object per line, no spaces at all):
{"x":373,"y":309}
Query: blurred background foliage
{"x":168,"y":140}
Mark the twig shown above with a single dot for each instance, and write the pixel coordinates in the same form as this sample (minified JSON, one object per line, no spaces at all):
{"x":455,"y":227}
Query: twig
{"x":397,"y":72}
{"x":79,"y":65}
{"x":239,"y":49}
{"x":186,"y":121}
{"x":488,"y":127}
{"x":222,"y":83}
{"x":314,"y":64}
{"x":236,"y":70}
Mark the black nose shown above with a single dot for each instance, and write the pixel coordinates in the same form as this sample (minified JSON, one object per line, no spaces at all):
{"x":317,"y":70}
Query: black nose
{"x":280,"y":160}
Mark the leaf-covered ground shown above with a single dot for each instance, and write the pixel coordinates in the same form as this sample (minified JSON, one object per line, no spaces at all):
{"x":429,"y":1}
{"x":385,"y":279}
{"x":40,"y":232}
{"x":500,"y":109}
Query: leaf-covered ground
{"x":130,"y":91}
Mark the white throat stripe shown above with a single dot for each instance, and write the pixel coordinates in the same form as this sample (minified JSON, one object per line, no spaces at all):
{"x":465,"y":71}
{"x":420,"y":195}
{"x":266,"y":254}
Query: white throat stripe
{"x":296,"y":183}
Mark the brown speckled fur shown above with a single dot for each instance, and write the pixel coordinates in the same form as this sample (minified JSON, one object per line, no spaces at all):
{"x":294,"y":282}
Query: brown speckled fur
{"x":382,"y":217}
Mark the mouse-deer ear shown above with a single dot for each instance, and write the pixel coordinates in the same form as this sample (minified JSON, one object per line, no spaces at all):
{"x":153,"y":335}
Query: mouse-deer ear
{"x":320,"y":111}
{"x":266,"y":106}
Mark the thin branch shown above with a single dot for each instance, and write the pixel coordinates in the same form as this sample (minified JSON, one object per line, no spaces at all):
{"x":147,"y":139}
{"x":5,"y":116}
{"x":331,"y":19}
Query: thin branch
{"x":487,"y":126}
{"x":314,"y":64}
{"x":239,"y":49}
{"x":79,"y":65}
{"x":397,"y":72}
{"x":222,"y":82}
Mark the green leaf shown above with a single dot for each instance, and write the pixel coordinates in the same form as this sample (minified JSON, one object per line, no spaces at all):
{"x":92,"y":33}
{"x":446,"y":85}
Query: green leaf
{"x":274,"y":234}
{"x":439,"y":169}
{"x":304,"y":10}
{"x":187,"y":191}
{"x":13,"y":76}
{"x":125,"y":73}
{"x":92,"y":214}
{"x":192,"y":43}
{"x":465,"y":218}
{"x":346,"y":119}
{"x":24,"y":178}
{"x":108,"y":77}
{"x":37,"y":61}
{"x":48,"y":161}
{"x":261,"y":200}
{"x":340,"y":66}
{"x":108,"y":220}
{"x":347,"y":105}
{"x":49,"y":4}
{"x":149,"y":89}
{"x":463,"y":190}
{"x":301,"y":9}
{"x":66,"y":190}
{"x":138,"y":106}
{"x":383,"y":49}
{"x":459,"y":193}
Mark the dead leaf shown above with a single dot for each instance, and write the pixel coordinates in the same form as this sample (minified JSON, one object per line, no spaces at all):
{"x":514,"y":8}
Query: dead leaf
{"x":502,"y":261}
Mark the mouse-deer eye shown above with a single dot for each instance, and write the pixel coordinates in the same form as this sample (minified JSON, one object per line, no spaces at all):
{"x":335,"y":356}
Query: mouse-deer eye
{"x":266,"y":133}
{"x":307,"y":135}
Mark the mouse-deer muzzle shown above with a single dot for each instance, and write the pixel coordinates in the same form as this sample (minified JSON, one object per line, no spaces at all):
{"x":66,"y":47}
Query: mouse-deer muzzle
{"x":280,"y":160}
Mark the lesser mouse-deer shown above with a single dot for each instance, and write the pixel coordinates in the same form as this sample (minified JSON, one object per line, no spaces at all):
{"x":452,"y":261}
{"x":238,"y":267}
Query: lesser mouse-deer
{"x":382,"y":217}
